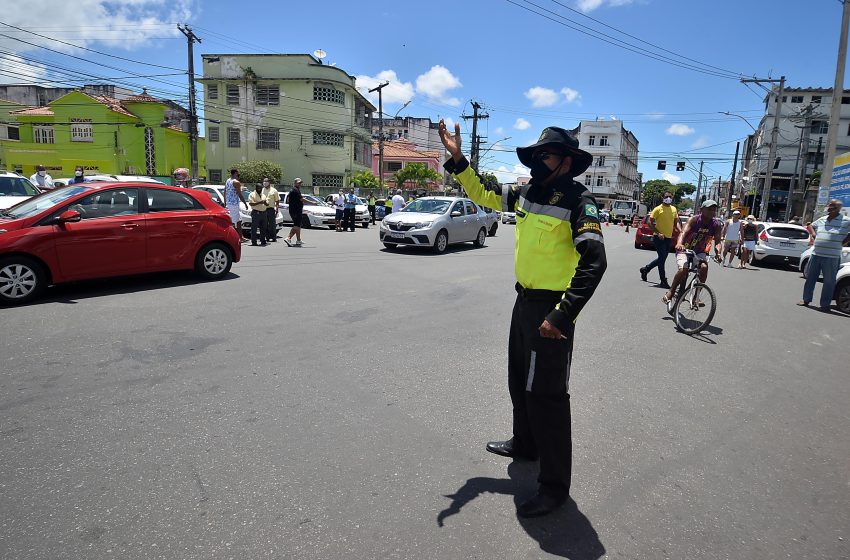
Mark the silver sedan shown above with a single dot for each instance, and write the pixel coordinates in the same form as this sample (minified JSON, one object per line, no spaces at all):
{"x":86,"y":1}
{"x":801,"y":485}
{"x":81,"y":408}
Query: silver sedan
{"x":435,"y":222}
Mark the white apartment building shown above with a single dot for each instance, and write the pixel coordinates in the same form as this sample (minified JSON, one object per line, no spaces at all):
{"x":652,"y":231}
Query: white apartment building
{"x":803,"y":126}
{"x":423,"y":132}
{"x":613,"y":175}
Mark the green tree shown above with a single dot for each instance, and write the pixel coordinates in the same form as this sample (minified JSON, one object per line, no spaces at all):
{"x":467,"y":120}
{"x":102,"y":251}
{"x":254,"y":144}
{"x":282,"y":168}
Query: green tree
{"x":490,"y":180}
{"x":417,"y":173}
{"x":654,"y":189}
{"x":365,"y":180}
{"x":254,"y":171}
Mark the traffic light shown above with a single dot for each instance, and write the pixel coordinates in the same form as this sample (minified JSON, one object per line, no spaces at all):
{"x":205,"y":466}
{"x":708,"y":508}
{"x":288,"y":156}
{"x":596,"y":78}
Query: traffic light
{"x":680,"y":166}
{"x":662,"y":164}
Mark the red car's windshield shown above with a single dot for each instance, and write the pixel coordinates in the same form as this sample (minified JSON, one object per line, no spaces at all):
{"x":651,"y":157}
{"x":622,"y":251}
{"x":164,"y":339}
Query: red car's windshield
{"x":39,"y":204}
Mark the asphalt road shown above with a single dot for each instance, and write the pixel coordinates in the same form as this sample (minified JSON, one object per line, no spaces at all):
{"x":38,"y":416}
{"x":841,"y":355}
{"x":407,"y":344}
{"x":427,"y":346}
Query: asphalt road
{"x":333,"y":402}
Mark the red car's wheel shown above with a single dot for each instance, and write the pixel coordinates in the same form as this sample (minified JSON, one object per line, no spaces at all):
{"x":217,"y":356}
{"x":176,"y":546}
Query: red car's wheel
{"x":21,"y":280}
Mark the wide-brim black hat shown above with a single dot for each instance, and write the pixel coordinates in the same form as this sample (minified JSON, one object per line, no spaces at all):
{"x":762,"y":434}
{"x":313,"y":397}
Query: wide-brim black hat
{"x":554,"y":135}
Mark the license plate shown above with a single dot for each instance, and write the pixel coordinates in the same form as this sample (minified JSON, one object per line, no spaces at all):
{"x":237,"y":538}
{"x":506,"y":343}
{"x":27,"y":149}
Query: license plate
{"x":398,"y":235}
{"x":786,"y":244}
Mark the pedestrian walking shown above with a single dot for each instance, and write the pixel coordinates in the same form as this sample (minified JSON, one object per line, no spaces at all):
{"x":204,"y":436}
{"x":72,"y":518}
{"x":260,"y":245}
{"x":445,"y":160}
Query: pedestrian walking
{"x":558,"y":243}
{"x":664,"y":221}
{"x":273,"y":200}
{"x":349,"y":211}
{"x":749,"y":239}
{"x":41,"y":178}
{"x":731,"y":237}
{"x":232,"y":197}
{"x":296,"y":210}
{"x":371,"y":206}
{"x":258,"y":205}
{"x":398,"y":201}
{"x":339,"y":206}
{"x":79,"y":176}
{"x":830,"y":232}
{"x":388,"y":205}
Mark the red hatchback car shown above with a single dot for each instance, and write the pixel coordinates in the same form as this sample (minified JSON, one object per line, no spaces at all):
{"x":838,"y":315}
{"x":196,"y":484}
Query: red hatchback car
{"x":98,"y":230}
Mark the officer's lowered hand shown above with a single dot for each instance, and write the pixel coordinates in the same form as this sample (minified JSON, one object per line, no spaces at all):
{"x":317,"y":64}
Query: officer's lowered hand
{"x":548,"y":330}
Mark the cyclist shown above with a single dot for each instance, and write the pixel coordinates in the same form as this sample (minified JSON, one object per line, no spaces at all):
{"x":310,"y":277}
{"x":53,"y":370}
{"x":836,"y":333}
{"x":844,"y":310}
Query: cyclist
{"x":699,"y":232}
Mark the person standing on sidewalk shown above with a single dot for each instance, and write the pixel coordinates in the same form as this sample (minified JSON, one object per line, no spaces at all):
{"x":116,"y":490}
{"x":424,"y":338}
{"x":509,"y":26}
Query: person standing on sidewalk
{"x":349,"y":210}
{"x":371,"y":206}
{"x":664,"y":221}
{"x":398,"y":201}
{"x":558,"y":244}
{"x":273,"y":200}
{"x":731,"y":237}
{"x":41,"y":178}
{"x":258,"y":205}
{"x":296,"y":210}
{"x":232,"y":197}
{"x":830,"y":232}
{"x":79,"y":176}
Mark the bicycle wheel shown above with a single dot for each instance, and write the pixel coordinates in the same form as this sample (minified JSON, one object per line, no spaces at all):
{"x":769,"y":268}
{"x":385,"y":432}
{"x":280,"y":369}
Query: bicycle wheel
{"x":690,"y":316}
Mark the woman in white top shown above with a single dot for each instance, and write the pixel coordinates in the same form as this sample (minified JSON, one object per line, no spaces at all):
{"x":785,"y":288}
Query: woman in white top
{"x":731,"y":237}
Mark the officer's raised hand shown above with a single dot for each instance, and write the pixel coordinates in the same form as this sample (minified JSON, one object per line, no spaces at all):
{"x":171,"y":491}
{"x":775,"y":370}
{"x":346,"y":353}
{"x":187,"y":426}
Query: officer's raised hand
{"x":451,"y":143}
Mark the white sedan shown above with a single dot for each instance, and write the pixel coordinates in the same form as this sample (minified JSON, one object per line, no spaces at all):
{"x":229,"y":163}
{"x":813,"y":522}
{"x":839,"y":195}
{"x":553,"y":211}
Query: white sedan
{"x":15,"y":189}
{"x":217,"y":194}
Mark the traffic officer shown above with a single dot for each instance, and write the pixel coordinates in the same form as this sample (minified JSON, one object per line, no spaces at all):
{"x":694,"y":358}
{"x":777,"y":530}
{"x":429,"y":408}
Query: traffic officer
{"x":559,"y":261}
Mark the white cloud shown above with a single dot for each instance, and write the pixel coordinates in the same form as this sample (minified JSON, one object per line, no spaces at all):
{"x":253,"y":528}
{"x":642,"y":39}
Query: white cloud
{"x":436,"y":83}
{"x":590,"y":5}
{"x":675,"y":179}
{"x":500,"y":131}
{"x":397,"y":92}
{"x":506,"y":175}
{"x":680,"y":130}
{"x":16,"y":70}
{"x":522,"y":124}
{"x":700,"y":142}
{"x":541,"y":96}
{"x":450,"y":124}
{"x":570,"y":94}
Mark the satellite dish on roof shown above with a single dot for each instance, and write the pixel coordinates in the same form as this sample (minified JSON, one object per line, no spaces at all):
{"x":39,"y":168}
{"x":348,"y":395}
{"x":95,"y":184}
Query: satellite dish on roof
{"x":320,"y":54}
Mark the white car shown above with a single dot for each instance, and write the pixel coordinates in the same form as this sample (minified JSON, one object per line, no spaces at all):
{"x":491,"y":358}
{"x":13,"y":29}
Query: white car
{"x":780,"y":242}
{"x":508,"y":217}
{"x":217,"y":194}
{"x":315,"y":214}
{"x":15,"y":189}
{"x":842,"y":288}
{"x":361,"y":211}
{"x":101,"y":178}
{"x":807,"y":254}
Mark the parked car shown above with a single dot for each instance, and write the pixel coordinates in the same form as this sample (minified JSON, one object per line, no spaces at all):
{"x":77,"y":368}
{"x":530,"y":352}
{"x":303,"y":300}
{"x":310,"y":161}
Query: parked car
{"x":436,"y":222}
{"x":361,"y":211}
{"x":780,"y":243}
{"x":216,"y":192}
{"x":491,"y":217}
{"x":99,"y":230}
{"x":103,"y":178}
{"x":15,"y":189}
{"x":643,"y":235}
{"x":380,"y":208}
{"x":508,"y":217}
{"x":807,"y":254}
{"x":316,"y":212}
{"x":842,"y":288}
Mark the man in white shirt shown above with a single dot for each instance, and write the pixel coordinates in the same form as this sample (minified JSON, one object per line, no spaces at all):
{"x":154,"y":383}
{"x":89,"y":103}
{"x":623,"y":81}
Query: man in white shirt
{"x":731,"y":237}
{"x":339,"y":206}
{"x":398,"y":201}
{"x":41,"y":179}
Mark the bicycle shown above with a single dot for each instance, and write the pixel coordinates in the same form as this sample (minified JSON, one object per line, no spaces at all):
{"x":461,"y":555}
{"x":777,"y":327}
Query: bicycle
{"x":694,"y":306}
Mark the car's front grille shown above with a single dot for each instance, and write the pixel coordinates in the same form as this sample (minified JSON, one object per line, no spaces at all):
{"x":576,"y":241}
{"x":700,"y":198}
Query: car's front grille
{"x":400,"y":227}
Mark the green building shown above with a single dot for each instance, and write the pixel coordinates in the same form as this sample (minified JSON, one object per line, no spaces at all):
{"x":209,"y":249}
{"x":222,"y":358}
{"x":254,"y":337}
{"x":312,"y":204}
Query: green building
{"x":134,"y":136}
{"x":289,"y":109}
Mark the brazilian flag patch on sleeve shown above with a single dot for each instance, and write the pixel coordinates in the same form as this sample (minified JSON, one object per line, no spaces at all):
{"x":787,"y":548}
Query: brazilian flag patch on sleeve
{"x":591,"y":210}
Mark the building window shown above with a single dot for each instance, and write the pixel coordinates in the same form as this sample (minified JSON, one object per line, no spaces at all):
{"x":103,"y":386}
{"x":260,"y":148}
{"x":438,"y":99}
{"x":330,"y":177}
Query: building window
{"x":268,"y":95}
{"x":212,"y":134}
{"x":212,"y":91}
{"x":599,"y":181}
{"x":392,"y":166}
{"x":234,"y":138}
{"x":328,"y":138}
{"x":81,"y":130}
{"x":603,"y":140}
{"x":327,"y":180}
{"x":591,"y":140}
{"x":328,"y":93}
{"x":362,"y":152}
{"x":816,"y":158}
{"x":268,"y":139}
{"x":587,"y":180}
{"x":215,"y":176}
{"x":845,"y":100}
{"x":784,"y":98}
{"x":820,"y":127}
{"x":13,"y":133}
{"x":232,"y":94}
{"x":816,"y":98}
{"x":43,"y":134}
{"x":796,"y":99}
{"x":600,"y":161}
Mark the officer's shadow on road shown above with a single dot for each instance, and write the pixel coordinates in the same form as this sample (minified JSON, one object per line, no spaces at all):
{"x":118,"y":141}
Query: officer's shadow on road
{"x":566,"y":532}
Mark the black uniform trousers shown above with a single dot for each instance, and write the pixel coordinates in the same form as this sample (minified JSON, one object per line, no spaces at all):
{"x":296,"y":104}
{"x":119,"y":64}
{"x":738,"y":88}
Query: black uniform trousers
{"x":258,"y":225}
{"x":538,"y":380}
{"x":271,"y":224}
{"x":348,"y":219}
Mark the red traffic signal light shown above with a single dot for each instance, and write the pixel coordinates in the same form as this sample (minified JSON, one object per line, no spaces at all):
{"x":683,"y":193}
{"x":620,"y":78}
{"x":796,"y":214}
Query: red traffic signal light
{"x":662,"y":164}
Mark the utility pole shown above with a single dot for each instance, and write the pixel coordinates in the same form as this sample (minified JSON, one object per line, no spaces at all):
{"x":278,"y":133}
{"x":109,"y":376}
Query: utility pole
{"x":835,"y":113}
{"x":732,"y":181}
{"x":476,"y":141}
{"x":699,"y":188}
{"x":774,"y":138}
{"x":380,"y":133}
{"x":191,"y":38}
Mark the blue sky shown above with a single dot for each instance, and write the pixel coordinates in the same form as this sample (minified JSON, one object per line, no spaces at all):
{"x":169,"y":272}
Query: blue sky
{"x":528,"y":71}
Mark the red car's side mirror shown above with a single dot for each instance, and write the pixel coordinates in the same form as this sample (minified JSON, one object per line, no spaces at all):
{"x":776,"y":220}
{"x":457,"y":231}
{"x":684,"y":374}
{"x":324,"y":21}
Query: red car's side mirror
{"x":68,"y":216}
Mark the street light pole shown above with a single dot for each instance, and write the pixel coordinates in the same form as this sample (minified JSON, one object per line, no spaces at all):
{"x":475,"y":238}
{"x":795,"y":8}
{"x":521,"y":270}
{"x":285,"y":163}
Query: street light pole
{"x":774,"y":138}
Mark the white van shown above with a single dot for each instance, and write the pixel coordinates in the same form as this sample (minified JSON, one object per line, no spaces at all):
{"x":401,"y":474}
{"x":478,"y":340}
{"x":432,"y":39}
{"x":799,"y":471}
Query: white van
{"x":627,"y":209}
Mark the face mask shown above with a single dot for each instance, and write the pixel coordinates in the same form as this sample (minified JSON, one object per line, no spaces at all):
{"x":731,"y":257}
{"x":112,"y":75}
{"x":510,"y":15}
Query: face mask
{"x":265,"y":183}
{"x":78,"y":173}
{"x":539,"y":170}
{"x":668,"y":200}
{"x":42,"y":173}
